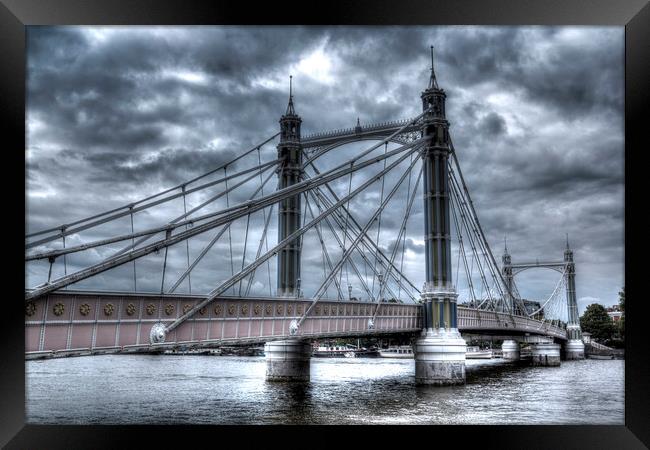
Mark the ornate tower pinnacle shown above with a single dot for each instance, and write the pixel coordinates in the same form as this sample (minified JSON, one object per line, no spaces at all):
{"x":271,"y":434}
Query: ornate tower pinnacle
{"x":568,"y":253}
{"x":290,"y":110}
{"x":433,"y":83}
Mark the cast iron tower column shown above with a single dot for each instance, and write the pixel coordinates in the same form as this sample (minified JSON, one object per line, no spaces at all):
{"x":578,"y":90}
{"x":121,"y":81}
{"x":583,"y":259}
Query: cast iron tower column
{"x":289,"y":359}
{"x":440,"y":352}
{"x":574,"y":348}
{"x":506,"y":269}
{"x":290,"y":172}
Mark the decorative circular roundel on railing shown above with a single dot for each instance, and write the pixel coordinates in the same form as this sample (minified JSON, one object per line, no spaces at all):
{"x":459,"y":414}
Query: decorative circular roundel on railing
{"x":299,"y":309}
{"x":341,"y":310}
{"x":317,"y":309}
{"x":257,"y":309}
{"x":84,"y":309}
{"x":108,"y":309}
{"x":279,"y":309}
{"x":186,"y":308}
{"x":151,"y":308}
{"x":244,"y":309}
{"x":169,"y":309}
{"x":58,"y":309}
{"x":30,"y":308}
{"x":130,"y":309}
{"x":290,"y":309}
{"x":218,"y":309}
{"x":231,"y":310}
{"x":157,"y":333}
{"x":202,"y":311}
{"x":269,"y":309}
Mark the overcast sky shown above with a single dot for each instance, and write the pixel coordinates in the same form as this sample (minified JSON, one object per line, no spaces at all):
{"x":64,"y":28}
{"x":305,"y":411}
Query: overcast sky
{"x":536,"y":115}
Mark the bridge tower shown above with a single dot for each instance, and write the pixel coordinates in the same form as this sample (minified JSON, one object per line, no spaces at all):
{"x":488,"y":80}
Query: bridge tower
{"x":506,"y":269}
{"x":510,"y":347}
{"x":290,"y":172}
{"x":289,"y":359}
{"x":440,"y":351}
{"x":574,"y":347}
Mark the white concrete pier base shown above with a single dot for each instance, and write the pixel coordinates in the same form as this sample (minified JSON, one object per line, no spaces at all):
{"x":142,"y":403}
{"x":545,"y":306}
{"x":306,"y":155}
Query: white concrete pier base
{"x":287,"y":360}
{"x":546,"y":354}
{"x":510,"y":350}
{"x":574,"y":349}
{"x":440,"y":359}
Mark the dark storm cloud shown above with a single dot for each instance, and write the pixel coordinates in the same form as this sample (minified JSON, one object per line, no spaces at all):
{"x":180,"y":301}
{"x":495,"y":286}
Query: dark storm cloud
{"x":115,"y":114}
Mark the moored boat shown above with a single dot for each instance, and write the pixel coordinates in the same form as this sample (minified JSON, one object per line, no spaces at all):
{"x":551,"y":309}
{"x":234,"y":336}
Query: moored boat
{"x":401,"y":351}
{"x":474,"y":352}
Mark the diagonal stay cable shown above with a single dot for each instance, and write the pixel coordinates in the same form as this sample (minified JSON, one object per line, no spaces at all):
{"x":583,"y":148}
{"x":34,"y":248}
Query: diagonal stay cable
{"x":67,"y":231}
{"x":327,"y":221}
{"x":166,"y":191}
{"x":224,"y":216}
{"x":211,"y":243}
{"x":229,"y":282}
{"x":146,"y":234}
{"x":321,"y":290}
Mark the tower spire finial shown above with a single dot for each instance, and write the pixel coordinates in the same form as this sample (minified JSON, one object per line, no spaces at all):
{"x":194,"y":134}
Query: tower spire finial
{"x":290,"y":110}
{"x":505,"y":243}
{"x":433,"y":83}
{"x":567,"y":241}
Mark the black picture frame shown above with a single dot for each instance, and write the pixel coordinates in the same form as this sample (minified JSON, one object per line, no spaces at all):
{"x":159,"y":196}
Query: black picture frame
{"x":16,"y":14}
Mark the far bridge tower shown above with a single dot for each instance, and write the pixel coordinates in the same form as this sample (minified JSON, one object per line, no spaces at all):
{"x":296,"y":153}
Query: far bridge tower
{"x":574,"y":347}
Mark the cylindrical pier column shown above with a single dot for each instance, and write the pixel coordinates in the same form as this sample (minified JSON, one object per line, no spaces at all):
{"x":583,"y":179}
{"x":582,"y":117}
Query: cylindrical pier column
{"x":440,"y":360}
{"x":574,"y":349}
{"x":287,"y":360}
{"x":510,"y":350}
{"x":546,"y":354}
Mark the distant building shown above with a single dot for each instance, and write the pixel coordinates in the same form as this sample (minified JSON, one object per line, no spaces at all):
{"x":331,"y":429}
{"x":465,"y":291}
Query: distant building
{"x":614,"y":312}
{"x":532,"y":306}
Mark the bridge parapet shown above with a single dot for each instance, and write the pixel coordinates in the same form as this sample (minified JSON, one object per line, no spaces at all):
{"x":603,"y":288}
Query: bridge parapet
{"x":470,"y":319}
{"x":92,"y":322}
{"x":77,"y":322}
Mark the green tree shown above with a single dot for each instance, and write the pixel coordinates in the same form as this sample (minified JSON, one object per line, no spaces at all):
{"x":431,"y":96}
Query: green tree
{"x":596,"y":321}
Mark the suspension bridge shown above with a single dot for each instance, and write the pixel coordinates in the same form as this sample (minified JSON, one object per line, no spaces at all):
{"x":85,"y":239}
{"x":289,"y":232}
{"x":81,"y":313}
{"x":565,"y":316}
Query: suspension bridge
{"x":409,"y":156}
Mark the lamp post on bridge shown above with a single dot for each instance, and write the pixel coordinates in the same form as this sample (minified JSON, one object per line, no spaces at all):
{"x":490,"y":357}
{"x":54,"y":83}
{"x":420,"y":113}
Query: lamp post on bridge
{"x":440,"y":351}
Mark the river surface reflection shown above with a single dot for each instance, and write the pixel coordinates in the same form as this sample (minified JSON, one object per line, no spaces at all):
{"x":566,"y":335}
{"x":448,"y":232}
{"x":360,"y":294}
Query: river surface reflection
{"x":171,"y":389}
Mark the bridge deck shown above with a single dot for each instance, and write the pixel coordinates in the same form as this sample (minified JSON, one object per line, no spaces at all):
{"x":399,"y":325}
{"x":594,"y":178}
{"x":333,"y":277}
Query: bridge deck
{"x":75,"y":322}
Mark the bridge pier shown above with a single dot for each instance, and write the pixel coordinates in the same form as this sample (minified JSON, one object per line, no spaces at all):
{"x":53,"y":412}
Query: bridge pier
{"x":510,"y":350}
{"x":574,"y":349}
{"x":440,"y":359}
{"x":287,"y":360}
{"x":546,"y":354}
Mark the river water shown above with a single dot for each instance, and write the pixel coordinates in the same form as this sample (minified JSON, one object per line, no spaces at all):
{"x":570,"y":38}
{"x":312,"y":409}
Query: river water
{"x":195,"y":389}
